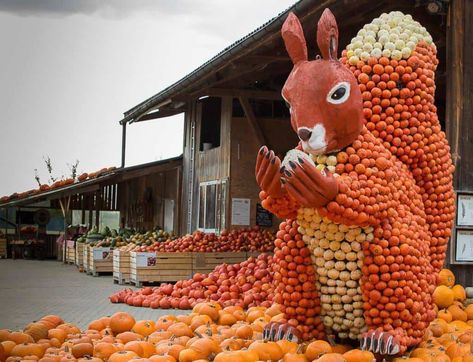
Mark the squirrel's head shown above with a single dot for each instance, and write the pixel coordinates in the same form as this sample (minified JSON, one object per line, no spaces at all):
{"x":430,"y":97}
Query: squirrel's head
{"x":323,"y":95}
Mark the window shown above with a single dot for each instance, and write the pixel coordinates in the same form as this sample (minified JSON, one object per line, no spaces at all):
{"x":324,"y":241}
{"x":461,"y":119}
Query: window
{"x":210,"y":123}
{"x":212,"y":204}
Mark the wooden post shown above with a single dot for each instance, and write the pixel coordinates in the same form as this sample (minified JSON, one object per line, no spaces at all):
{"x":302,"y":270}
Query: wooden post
{"x":123,"y":143}
{"x":65,"y":203}
{"x":245,"y":104}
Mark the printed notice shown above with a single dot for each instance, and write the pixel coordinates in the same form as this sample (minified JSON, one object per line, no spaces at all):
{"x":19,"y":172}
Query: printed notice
{"x":144,"y":259}
{"x":465,"y":210}
{"x":464,"y":241}
{"x":241,"y":211}
{"x":102,"y":253}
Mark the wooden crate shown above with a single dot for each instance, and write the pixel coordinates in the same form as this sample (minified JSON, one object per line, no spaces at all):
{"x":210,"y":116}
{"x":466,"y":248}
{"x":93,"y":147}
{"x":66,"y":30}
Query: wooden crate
{"x":79,"y":259}
{"x":159,"y":267}
{"x":70,"y":252}
{"x":206,"y":262}
{"x":100,"y":261}
{"x":3,"y":248}
{"x":86,"y":257}
{"x":121,"y":266}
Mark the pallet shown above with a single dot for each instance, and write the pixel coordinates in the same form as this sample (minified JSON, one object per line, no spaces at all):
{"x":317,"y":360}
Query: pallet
{"x":159,"y":267}
{"x":206,"y":262}
{"x":100,"y":261}
{"x":121,"y":266}
{"x":79,"y":258}
{"x":3,"y":248}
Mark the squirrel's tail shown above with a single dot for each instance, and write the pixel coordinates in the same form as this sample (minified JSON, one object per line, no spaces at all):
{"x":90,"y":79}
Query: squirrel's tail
{"x":394,"y":60}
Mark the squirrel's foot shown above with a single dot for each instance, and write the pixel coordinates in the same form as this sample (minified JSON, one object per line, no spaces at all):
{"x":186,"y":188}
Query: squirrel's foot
{"x":383,"y":343}
{"x":275,"y":331}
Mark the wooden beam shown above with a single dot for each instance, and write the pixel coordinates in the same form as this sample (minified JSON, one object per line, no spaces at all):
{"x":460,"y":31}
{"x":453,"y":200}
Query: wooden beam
{"x":246,"y":93}
{"x":255,"y":59}
{"x":158,"y":114}
{"x":245,"y":104}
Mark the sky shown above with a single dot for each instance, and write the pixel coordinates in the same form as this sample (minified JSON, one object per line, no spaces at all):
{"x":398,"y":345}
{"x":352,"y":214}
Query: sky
{"x":69,"y":69}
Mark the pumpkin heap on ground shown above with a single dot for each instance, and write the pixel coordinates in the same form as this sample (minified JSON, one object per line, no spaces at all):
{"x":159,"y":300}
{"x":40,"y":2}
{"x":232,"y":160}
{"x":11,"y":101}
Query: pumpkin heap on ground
{"x":246,"y":284}
{"x":374,"y":203}
{"x":220,"y":334}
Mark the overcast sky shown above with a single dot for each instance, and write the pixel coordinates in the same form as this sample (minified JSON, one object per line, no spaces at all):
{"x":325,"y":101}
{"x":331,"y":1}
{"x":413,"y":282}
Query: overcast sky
{"x":70,"y":68}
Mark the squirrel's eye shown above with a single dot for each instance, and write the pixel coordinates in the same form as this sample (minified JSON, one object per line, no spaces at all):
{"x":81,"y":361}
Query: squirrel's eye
{"x":339,"y":93}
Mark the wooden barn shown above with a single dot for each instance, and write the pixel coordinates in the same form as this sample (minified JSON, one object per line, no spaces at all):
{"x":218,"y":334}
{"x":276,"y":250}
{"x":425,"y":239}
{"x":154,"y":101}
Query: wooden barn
{"x":232,"y":106}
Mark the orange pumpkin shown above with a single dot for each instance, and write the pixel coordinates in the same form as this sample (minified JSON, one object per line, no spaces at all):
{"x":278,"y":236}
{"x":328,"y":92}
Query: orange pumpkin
{"x":82,"y":349}
{"x":267,"y":350}
{"x":180,"y":329}
{"x":144,"y":328}
{"x":27,"y":349}
{"x":4,"y":335}
{"x":20,"y":337}
{"x":446,"y":278}
{"x":104,"y":350}
{"x":459,"y":293}
{"x":357,"y":355}
{"x":287,"y":346}
{"x":121,"y":322}
{"x":8,"y":347}
{"x":316,"y":349}
{"x":208,"y":308}
{"x":332,"y":357}
{"x":161,"y":358}
{"x":122,"y":356}
{"x":458,"y":314}
{"x":294,"y":357}
{"x":443,"y":296}
{"x":244,"y":331}
{"x":199,"y":320}
{"x":126,"y":337}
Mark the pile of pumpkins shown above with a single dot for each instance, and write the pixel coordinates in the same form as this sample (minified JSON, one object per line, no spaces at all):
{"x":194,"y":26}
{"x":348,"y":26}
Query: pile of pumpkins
{"x":213,"y":333}
{"x":209,"y":333}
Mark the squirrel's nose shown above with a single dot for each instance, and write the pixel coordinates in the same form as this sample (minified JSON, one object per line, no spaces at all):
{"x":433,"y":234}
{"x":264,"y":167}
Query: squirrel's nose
{"x":304,"y":134}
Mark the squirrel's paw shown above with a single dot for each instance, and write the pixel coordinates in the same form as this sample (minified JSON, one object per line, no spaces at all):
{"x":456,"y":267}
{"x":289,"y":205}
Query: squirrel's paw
{"x":309,"y":186}
{"x":275,"y":331}
{"x":267,"y":172}
{"x":383,"y":343}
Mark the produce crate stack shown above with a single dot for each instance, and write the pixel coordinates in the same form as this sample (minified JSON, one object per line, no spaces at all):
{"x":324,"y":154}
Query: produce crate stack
{"x":3,"y":248}
{"x":100,"y":261}
{"x":79,"y":259}
{"x":206,"y":262}
{"x":70,"y":251}
{"x":149,"y":267}
{"x":121,"y":266}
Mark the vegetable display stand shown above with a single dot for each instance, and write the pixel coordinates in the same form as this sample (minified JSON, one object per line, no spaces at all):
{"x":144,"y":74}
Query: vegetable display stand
{"x":86,"y":258}
{"x":121,"y":266}
{"x":70,"y":252}
{"x":206,"y":262}
{"x":3,"y":248}
{"x":79,"y":259}
{"x":159,"y":267}
{"x":100,"y":261}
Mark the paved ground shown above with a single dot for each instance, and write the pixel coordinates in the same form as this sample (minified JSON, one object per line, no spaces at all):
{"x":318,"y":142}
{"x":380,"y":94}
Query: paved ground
{"x":30,"y":289}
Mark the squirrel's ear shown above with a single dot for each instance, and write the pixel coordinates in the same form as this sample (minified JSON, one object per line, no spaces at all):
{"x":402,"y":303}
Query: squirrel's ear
{"x":327,"y":35}
{"x":294,"y":40}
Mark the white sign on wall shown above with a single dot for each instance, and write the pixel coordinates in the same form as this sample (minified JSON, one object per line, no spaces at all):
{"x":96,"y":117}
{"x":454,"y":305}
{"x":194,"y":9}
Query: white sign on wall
{"x":241,"y":211}
{"x":464,"y":243}
{"x":465,"y":210}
